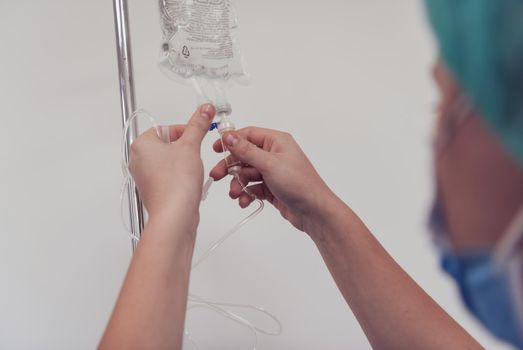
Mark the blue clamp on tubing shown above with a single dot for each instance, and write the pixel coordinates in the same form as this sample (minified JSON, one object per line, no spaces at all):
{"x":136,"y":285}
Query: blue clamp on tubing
{"x":213,"y":126}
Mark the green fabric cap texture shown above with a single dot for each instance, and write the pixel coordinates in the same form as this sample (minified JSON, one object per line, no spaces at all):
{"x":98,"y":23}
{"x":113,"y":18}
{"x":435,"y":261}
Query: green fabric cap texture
{"x":481,"y":42}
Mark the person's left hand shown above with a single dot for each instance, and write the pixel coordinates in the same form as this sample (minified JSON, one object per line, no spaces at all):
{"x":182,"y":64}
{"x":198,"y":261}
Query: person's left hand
{"x":169,"y":176}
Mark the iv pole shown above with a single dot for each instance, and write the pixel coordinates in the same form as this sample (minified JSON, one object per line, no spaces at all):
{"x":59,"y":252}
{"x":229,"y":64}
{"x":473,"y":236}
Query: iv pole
{"x":128,"y":105}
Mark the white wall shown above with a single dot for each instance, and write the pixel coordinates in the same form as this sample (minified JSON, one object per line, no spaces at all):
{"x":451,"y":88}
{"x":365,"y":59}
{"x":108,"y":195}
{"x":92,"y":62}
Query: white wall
{"x":361,"y":68}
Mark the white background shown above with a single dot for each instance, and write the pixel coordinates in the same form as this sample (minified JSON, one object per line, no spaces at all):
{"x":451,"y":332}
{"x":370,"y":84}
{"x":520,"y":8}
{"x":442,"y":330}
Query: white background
{"x":350,"y":79}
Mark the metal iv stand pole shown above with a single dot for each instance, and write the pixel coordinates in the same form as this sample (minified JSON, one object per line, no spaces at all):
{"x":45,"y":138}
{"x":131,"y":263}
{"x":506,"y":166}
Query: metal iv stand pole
{"x":128,"y":104}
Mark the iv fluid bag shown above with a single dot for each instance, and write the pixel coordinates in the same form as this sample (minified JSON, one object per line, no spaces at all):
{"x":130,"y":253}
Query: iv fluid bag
{"x":198,"y":40}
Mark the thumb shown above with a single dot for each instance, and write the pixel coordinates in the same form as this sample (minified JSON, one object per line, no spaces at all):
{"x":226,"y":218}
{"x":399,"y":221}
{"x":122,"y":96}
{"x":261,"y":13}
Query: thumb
{"x":247,"y":152}
{"x":199,"y":124}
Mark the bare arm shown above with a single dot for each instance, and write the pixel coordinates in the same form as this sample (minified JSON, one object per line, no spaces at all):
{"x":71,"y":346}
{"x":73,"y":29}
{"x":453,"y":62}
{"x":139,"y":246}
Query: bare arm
{"x":393,"y":310}
{"x":150,"y":311}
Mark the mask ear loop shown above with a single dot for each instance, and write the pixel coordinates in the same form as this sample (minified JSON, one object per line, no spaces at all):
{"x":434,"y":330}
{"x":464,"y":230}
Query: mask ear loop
{"x":510,"y":241}
{"x":506,"y":249}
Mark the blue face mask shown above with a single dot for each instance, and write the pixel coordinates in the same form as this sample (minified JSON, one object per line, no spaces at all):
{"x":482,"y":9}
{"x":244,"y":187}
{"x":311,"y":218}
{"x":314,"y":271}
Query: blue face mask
{"x":490,"y":282}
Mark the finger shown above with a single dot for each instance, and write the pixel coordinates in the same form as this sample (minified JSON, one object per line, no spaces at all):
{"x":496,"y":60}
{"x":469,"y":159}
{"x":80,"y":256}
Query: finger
{"x":218,"y":146}
{"x":245,"y":200}
{"x":199,"y":124}
{"x":247,"y":152}
{"x":170,"y":133}
{"x":236,"y":189}
{"x":150,"y":134}
{"x":219,"y":171}
{"x":260,"y":191}
{"x":247,"y":174}
{"x":175,"y":132}
{"x":257,"y":136}
{"x":250,"y":175}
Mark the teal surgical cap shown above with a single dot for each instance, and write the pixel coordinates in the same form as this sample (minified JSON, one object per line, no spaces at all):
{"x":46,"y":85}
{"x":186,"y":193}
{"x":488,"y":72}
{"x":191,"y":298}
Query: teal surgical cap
{"x":481,"y":42}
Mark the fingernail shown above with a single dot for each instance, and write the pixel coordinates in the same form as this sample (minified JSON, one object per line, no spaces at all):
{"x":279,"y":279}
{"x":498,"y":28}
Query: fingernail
{"x":206,"y":111}
{"x":231,"y":140}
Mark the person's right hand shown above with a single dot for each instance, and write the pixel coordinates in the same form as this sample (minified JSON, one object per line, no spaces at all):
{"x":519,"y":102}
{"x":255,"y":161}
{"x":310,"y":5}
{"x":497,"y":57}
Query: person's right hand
{"x":281,"y":173}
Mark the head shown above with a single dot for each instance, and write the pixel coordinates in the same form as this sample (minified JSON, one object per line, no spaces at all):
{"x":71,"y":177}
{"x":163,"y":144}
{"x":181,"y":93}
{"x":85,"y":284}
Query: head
{"x":479,"y":146}
{"x":480,"y":182}
{"x":479,"y":156}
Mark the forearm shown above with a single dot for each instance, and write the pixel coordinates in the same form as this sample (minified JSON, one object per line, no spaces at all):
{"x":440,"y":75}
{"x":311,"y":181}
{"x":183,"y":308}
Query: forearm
{"x":150,"y":310}
{"x":393,"y":310}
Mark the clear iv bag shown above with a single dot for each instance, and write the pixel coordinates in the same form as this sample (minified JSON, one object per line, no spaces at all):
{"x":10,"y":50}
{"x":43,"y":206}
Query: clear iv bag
{"x":199,"y":40}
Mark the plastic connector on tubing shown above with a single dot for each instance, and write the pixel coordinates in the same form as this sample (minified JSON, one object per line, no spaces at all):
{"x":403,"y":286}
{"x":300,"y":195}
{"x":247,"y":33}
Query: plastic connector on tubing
{"x":225,"y":125}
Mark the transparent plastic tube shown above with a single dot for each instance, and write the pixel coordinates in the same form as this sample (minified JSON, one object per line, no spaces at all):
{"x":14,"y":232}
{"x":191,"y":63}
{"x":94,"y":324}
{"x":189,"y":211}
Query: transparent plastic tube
{"x":279,"y":327}
{"x":228,"y":234}
{"x":234,"y":166}
{"x":125,"y":165}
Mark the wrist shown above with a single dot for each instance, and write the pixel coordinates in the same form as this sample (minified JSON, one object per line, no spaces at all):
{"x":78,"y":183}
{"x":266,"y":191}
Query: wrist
{"x":170,"y":237}
{"x":176,"y":220}
{"x":328,"y":209}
